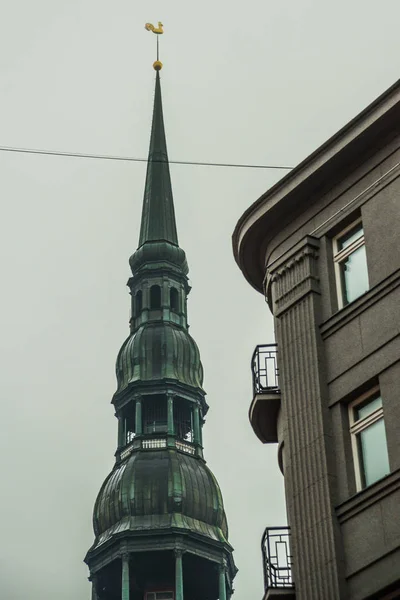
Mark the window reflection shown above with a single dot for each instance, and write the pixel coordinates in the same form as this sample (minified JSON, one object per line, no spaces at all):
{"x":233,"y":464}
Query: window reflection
{"x":351,"y":264}
{"x":354,"y":275}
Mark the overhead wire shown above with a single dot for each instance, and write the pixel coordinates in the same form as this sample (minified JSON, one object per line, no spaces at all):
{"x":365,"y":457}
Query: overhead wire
{"x":134,"y":159}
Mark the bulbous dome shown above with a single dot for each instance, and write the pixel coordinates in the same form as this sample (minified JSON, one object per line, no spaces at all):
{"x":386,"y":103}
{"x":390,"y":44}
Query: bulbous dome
{"x":157,"y":351}
{"x":159,"y":252}
{"x":159,"y":491}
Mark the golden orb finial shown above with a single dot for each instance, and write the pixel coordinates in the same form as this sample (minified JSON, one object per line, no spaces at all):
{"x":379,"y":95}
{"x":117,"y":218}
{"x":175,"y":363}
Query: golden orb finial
{"x":157,"y":65}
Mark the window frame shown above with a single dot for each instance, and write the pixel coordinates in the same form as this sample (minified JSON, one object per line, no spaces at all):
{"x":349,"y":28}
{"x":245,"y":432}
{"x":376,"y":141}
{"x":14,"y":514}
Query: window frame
{"x":359,"y":425}
{"x":340,"y":255}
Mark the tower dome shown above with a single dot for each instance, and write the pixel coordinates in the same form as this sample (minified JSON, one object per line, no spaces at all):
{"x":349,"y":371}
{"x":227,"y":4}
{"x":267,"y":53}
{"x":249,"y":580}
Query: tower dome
{"x":151,"y":253}
{"x":159,"y":351}
{"x":160,"y":490}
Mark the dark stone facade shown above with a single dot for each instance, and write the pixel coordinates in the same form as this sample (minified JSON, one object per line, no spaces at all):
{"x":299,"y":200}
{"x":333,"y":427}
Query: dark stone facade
{"x":345,"y":540}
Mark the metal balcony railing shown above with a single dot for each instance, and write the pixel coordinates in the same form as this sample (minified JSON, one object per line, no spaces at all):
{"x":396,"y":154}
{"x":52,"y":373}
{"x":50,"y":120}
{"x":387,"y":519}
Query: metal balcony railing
{"x":264,"y":368}
{"x":277,"y":558}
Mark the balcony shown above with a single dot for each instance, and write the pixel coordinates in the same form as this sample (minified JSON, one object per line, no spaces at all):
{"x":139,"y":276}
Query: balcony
{"x":277,"y":563}
{"x":157,"y":441}
{"x":264,"y":409}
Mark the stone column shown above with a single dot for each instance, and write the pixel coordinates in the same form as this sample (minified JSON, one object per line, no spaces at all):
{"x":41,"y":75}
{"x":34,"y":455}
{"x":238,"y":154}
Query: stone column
{"x":178,"y":575}
{"x":202,"y":421}
{"x":221,"y":582}
{"x":120,"y":431}
{"x":197,"y":435}
{"x":132,"y":310}
{"x":170,"y":413}
{"x":170,"y":417}
{"x":185,"y":319}
{"x":293,"y":286}
{"x":145,"y":301}
{"x":125,"y":577}
{"x":196,"y":425}
{"x":165,"y":304}
{"x":138,"y":416}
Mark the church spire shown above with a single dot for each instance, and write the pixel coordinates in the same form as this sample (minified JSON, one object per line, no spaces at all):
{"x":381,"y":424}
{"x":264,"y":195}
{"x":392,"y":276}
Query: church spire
{"x":158,"y":214}
{"x":159,"y":520}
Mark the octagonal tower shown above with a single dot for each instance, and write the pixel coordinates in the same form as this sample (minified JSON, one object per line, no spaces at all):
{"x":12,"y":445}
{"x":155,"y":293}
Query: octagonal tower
{"x":159,"y":522}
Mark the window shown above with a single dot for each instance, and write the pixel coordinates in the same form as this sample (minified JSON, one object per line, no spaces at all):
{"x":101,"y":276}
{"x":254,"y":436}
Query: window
{"x":155,"y":297}
{"x":368,"y":437}
{"x":160,"y":596}
{"x":127,"y":427}
{"x":138,"y":303}
{"x":183,"y":419}
{"x":350,"y":264}
{"x":174,"y":299}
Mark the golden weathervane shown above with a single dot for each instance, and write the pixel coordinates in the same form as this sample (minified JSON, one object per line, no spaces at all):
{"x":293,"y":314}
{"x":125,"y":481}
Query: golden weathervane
{"x":157,"y":65}
{"x":151,"y":27}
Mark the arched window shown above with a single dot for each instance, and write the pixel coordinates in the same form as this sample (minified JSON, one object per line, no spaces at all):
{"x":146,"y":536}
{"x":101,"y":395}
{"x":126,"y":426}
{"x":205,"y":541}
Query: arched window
{"x":155,"y":297}
{"x":174,"y":299}
{"x":138,"y":303}
{"x":183,"y":420}
{"x":155,"y":417}
{"x":127,"y":426}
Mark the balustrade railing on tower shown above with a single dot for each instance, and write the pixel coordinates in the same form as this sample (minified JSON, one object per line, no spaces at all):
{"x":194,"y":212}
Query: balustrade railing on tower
{"x":155,"y":442}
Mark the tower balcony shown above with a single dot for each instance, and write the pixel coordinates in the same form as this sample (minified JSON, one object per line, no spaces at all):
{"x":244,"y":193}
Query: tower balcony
{"x":155,"y":442}
{"x":265,"y":406}
{"x":277,"y":564}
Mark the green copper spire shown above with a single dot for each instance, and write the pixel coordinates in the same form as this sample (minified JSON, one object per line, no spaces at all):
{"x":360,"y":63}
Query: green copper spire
{"x":159,"y":520}
{"x":158,"y":215}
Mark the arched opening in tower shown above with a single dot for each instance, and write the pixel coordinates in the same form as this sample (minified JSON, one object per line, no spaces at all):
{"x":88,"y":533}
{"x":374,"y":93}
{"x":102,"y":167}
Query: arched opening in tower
{"x":128,"y":424}
{"x":174,"y":299}
{"x":138,"y":303}
{"x":155,"y":419}
{"x":183,"y":419}
{"x":155,"y":297}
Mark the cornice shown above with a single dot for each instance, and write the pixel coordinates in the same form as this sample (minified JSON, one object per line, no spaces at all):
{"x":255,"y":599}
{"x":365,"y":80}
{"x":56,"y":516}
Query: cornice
{"x":346,"y":314}
{"x":260,"y":220}
{"x":212,"y":550}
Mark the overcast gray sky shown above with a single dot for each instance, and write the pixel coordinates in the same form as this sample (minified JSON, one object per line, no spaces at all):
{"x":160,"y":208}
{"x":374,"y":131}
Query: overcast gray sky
{"x":249,"y":82}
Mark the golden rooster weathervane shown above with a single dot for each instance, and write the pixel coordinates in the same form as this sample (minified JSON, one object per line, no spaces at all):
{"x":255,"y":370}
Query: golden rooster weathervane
{"x":157,"y":65}
{"x":151,"y":27}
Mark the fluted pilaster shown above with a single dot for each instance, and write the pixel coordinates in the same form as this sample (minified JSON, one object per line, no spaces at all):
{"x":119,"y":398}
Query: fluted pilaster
{"x":309,"y":452}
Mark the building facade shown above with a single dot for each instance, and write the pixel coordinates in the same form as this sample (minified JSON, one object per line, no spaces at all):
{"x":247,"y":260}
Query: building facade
{"x":323,"y":245}
{"x":160,"y":528}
